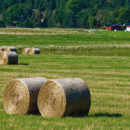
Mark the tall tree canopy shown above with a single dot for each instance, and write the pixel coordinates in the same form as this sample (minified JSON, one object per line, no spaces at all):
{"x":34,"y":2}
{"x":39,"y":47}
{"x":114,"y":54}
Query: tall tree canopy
{"x":64,"y":13}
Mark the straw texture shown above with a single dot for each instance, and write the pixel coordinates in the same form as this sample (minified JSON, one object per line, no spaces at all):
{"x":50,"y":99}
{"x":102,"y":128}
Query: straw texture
{"x":62,"y":97}
{"x":34,"y":51}
{"x":8,"y":57}
{"x":25,"y":51}
{"x":11,"y":48}
{"x":20,"y":95}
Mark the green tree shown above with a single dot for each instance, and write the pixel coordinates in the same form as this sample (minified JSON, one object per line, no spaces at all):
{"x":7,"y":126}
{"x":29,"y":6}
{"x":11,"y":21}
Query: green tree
{"x":28,"y":23}
{"x":16,"y":14}
{"x":92,"y":21}
{"x":67,"y":19}
{"x":2,"y":24}
{"x":123,"y":16}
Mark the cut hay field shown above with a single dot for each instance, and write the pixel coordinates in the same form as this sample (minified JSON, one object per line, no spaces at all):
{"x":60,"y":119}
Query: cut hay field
{"x":103,"y":63}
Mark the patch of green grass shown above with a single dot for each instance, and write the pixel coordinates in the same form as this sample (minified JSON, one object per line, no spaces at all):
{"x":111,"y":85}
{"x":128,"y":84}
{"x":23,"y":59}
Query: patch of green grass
{"x":100,"y":58}
{"x":61,"y":39}
{"x":108,"y":79}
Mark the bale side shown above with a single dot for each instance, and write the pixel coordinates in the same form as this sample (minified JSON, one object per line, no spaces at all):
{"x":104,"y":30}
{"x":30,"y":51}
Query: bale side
{"x":34,"y":51}
{"x":62,"y":97}
{"x":9,"y":57}
{"x":11,"y":49}
{"x":1,"y":52}
{"x":20,"y":95}
{"x":25,"y":51}
{"x":1,"y":57}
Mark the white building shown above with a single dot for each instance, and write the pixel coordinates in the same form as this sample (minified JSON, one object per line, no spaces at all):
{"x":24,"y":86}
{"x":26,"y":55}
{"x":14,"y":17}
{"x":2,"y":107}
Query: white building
{"x":128,"y":28}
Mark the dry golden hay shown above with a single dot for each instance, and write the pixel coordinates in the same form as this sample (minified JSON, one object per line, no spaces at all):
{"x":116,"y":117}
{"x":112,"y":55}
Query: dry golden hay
{"x":8,"y":57}
{"x":1,"y":55}
{"x":11,"y":48}
{"x":34,"y":51}
{"x":25,"y":51}
{"x":62,"y":97}
{"x":2,"y":48}
{"x":20,"y":95}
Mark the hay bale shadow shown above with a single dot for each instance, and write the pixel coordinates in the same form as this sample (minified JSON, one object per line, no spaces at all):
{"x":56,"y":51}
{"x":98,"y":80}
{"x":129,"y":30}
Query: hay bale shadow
{"x":115,"y":115}
{"x":23,"y":64}
{"x":20,"y":64}
{"x":98,"y":115}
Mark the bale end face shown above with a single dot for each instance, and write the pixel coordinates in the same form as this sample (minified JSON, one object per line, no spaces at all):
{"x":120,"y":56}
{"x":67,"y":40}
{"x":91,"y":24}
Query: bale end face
{"x":51,"y":100}
{"x":16,"y":98}
{"x":34,"y":51}
{"x":11,"y":49}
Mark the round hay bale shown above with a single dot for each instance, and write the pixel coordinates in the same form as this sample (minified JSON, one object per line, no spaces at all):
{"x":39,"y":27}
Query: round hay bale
{"x":25,"y":51}
{"x":11,"y":48}
{"x":2,"y":48}
{"x":34,"y":51}
{"x":8,"y":57}
{"x":1,"y":56}
{"x":20,"y":95}
{"x":62,"y":97}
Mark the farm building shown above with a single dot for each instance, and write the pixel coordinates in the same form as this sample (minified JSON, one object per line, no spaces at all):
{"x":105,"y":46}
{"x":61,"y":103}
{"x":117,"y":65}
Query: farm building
{"x":128,"y":27}
{"x":114,"y":27}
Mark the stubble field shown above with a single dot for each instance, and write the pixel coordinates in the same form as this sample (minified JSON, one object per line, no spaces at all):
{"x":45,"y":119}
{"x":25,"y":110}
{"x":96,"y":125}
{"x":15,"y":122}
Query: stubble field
{"x":100,"y":58}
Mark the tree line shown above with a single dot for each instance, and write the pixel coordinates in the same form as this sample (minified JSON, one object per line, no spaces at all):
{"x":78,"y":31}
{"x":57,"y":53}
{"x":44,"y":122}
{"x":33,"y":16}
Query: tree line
{"x":64,"y":13}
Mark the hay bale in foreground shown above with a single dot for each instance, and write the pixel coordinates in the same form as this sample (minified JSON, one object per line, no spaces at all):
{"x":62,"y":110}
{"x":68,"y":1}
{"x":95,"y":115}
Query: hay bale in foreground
{"x":11,"y":48}
{"x":8,"y":57}
{"x":20,"y":95}
{"x":62,"y":97}
{"x":25,"y":51}
{"x":34,"y":51}
{"x":2,"y":48}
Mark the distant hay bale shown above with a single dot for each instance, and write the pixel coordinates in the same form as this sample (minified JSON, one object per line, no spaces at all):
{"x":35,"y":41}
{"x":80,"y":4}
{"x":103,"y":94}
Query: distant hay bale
{"x":11,"y":48}
{"x":1,"y":54}
{"x":62,"y":97}
{"x":25,"y":51}
{"x":20,"y":95}
{"x":2,"y":48}
{"x":8,"y":57}
{"x":34,"y":51}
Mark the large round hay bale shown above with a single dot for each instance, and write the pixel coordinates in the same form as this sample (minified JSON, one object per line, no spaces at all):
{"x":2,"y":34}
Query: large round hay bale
{"x":8,"y":57}
{"x":2,"y":48}
{"x":62,"y":97}
{"x":11,"y":48}
{"x":34,"y":51}
{"x":1,"y":55}
{"x":20,"y":95}
{"x":25,"y":51}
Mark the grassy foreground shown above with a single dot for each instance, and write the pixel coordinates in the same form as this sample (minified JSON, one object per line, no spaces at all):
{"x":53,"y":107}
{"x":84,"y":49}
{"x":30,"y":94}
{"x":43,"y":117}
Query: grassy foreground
{"x":107,"y":76}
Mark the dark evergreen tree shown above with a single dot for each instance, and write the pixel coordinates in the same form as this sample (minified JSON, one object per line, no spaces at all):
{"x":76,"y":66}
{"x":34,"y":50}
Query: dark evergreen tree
{"x":64,"y":13}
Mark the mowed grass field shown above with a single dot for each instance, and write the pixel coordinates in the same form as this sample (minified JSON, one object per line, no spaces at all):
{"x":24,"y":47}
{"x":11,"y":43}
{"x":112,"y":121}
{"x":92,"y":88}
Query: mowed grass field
{"x":106,"y":71}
